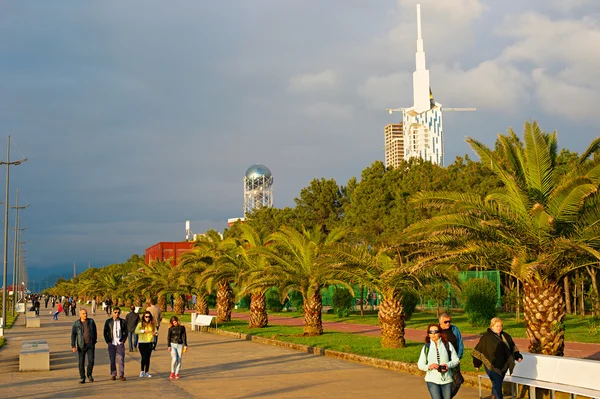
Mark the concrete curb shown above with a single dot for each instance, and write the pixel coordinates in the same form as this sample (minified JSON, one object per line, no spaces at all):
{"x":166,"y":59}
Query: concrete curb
{"x":471,"y":379}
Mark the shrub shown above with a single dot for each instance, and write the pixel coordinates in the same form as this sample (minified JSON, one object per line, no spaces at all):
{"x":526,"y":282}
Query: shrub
{"x":273,"y":301}
{"x":410,"y":300}
{"x":480,"y":299}
{"x":594,"y":325}
{"x":296,"y":300}
{"x":244,"y":303}
{"x":341,"y":301}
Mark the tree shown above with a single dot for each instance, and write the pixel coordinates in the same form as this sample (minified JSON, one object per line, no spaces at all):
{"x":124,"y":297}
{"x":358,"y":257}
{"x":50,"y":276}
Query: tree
{"x":298,"y":259}
{"x":533,"y":224}
{"x":320,"y":204}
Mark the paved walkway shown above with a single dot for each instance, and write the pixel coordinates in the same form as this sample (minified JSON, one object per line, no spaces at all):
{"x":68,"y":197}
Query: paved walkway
{"x":214,"y":367}
{"x":572,"y":349}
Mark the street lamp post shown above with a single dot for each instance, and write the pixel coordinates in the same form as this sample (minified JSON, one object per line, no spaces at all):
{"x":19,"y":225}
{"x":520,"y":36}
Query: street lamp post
{"x":15,"y":247}
{"x":7,"y":163}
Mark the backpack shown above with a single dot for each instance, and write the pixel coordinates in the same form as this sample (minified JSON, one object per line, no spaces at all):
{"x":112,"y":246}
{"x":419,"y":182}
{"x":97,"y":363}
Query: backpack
{"x":446,"y":345}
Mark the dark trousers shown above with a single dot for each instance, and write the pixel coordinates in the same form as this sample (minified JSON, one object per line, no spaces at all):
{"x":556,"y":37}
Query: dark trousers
{"x":88,"y":349}
{"x":116,"y":353}
{"x":145,"y":352}
{"x":496,"y":380}
{"x":155,"y":338}
{"x":133,"y":341}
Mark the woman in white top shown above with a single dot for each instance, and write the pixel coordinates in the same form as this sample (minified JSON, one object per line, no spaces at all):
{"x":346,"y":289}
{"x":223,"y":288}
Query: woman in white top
{"x":437,"y":359}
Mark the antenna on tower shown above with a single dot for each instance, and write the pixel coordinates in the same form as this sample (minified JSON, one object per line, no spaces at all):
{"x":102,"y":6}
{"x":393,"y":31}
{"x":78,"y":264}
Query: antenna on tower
{"x":74,"y":270}
{"x":188,"y":231}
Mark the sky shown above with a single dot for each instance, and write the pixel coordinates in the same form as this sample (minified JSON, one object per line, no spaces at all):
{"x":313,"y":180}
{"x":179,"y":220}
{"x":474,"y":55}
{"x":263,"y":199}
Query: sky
{"x":137,"y":116}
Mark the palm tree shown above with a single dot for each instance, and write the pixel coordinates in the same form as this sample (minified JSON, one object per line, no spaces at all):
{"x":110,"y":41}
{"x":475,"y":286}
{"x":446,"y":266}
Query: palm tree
{"x":217,"y":253}
{"x":298,"y":259}
{"x":255,"y":277}
{"x":533,"y":225}
{"x":391,"y":275}
{"x":192,"y":265}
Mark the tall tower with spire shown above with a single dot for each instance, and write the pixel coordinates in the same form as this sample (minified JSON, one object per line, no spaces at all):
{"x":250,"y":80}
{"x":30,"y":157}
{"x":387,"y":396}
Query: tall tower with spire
{"x":423,"y":128}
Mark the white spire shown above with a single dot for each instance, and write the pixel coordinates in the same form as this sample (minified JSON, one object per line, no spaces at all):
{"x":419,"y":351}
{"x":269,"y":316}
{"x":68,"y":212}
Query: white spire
{"x":421,"y":74}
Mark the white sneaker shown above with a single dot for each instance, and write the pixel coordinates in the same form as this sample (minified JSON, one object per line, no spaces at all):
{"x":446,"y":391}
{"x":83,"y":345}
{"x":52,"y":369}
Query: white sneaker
{"x":148,"y":375}
{"x":142,"y":374}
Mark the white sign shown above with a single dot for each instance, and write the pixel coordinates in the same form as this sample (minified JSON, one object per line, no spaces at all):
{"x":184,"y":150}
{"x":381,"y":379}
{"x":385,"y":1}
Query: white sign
{"x":20,"y":308}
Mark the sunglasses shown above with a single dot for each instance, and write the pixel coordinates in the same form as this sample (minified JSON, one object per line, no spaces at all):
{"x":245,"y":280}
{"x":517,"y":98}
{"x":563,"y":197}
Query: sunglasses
{"x":116,"y":312}
{"x":434,"y":332}
{"x":146,"y":317}
{"x":448,"y":322}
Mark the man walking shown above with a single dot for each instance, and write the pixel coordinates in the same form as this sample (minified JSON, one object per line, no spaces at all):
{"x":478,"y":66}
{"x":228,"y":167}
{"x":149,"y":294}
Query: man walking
{"x":132,"y":319}
{"x":455,"y":338}
{"x":83,"y":341}
{"x":156,"y":315}
{"x":115,"y":334}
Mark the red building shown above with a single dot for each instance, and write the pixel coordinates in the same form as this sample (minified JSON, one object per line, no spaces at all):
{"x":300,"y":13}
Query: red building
{"x":167,"y":251}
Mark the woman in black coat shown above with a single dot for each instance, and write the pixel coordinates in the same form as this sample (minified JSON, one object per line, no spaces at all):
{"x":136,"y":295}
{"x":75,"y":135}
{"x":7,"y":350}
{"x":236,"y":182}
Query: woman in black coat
{"x":497,"y":351}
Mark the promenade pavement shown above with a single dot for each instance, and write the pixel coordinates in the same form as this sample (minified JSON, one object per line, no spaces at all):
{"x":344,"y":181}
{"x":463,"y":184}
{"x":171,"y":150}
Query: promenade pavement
{"x":572,"y":349}
{"x":214,"y":367}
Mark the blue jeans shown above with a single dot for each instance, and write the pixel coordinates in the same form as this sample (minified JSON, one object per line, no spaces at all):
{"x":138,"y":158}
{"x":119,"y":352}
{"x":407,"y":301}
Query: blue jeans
{"x":176,"y":352}
{"x":133,"y":341}
{"x":438,"y":391}
{"x":496,"y":380}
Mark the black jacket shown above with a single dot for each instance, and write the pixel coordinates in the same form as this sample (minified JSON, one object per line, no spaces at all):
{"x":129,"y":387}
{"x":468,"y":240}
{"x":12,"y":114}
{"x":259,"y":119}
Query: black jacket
{"x":497,"y":352}
{"x":176,"y":335}
{"x":77,"y":333}
{"x":108,"y":331}
{"x":132,"y":320}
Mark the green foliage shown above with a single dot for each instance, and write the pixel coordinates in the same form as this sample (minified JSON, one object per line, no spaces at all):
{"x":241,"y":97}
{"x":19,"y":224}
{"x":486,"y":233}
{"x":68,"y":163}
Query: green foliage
{"x":244,"y":303}
{"x":410,"y":300}
{"x":480,"y":297}
{"x":273,"y":301}
{"x":341,"y":301}
{"x":320,"y":204}
{"x":295,"y":299}
{"x":594,"y":325}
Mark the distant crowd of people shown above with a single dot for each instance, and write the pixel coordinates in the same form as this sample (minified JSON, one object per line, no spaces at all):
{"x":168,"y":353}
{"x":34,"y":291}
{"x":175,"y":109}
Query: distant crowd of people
{"x":141,"y":333}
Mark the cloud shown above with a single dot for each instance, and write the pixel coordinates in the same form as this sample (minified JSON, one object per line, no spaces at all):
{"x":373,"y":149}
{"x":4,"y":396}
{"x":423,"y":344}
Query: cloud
{"x":328,"y":110}
{"x":313,"y":82}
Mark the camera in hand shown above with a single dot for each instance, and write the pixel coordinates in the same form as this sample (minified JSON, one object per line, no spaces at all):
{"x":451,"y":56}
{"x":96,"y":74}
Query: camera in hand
{"x":442,"y":368}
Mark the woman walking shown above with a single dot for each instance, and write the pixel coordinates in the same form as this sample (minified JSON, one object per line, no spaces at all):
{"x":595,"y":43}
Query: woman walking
{"x":438,"y":358}
{"x":177,"y":342}
{"x":497,"y":351}
{"x":146,"y":330}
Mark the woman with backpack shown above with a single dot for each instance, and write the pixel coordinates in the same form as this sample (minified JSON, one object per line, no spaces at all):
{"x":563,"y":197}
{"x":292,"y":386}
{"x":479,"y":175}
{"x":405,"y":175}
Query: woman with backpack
{"x":438,"y":358}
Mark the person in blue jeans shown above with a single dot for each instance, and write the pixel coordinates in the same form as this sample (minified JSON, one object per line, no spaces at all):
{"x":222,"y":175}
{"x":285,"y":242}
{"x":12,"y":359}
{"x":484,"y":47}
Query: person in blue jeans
{"x":438,"y":358}
{"x":132,"y":319}
{"x":497,"y":351}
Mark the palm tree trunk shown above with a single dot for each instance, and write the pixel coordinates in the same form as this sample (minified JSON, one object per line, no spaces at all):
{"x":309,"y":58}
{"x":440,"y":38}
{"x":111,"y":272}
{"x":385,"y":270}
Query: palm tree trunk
{"x":313,"y":322}
{"x":179,"y":304}
{"x":162,"y":303}
{"x":592,"y":272}
{"x":544,"y":313}
{"x":567,"y":295}
{"x":391,"y":321}
{"x":258,"y":311}
{"x":201,"y":304}
{"x":224,"y":301}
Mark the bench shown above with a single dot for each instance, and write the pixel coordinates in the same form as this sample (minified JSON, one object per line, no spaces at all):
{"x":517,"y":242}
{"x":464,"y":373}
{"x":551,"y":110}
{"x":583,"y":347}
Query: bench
{"x":34,"y":355}
{"x":577,"y":377}
{"x":201,"y":320}
{"x":32,"y":322}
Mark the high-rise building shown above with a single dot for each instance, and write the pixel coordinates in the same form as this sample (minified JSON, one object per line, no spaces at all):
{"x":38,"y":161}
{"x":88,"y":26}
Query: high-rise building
{"x":394,"y":144}
{"x":423,"y":129}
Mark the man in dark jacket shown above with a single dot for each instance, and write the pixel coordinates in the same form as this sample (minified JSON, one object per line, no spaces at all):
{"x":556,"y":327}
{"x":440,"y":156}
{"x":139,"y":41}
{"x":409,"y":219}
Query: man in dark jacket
{"x":132,"y":320}
{"x":83,"y":341}
{"x":115,"y":334}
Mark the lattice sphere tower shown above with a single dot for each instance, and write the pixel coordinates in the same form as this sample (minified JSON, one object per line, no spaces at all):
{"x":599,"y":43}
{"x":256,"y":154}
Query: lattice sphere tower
{"x":258,"y":188}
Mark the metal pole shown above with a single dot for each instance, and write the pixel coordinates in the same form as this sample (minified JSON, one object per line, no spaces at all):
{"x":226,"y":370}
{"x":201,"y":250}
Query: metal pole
{"x":5,"y":240}
{"x":15,"y":253}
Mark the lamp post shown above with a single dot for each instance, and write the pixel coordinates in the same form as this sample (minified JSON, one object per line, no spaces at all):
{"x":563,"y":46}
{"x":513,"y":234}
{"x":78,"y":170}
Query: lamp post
{"x":15,"y":249}
{"x":7,"y":163}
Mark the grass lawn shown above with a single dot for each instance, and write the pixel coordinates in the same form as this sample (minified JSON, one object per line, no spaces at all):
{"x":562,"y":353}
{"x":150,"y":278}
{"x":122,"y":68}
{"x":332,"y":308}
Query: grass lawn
{"x":10,"y":320}
{"x":577,"y":329}
{"x":343,"y":342}
{"x":184,"y":318}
